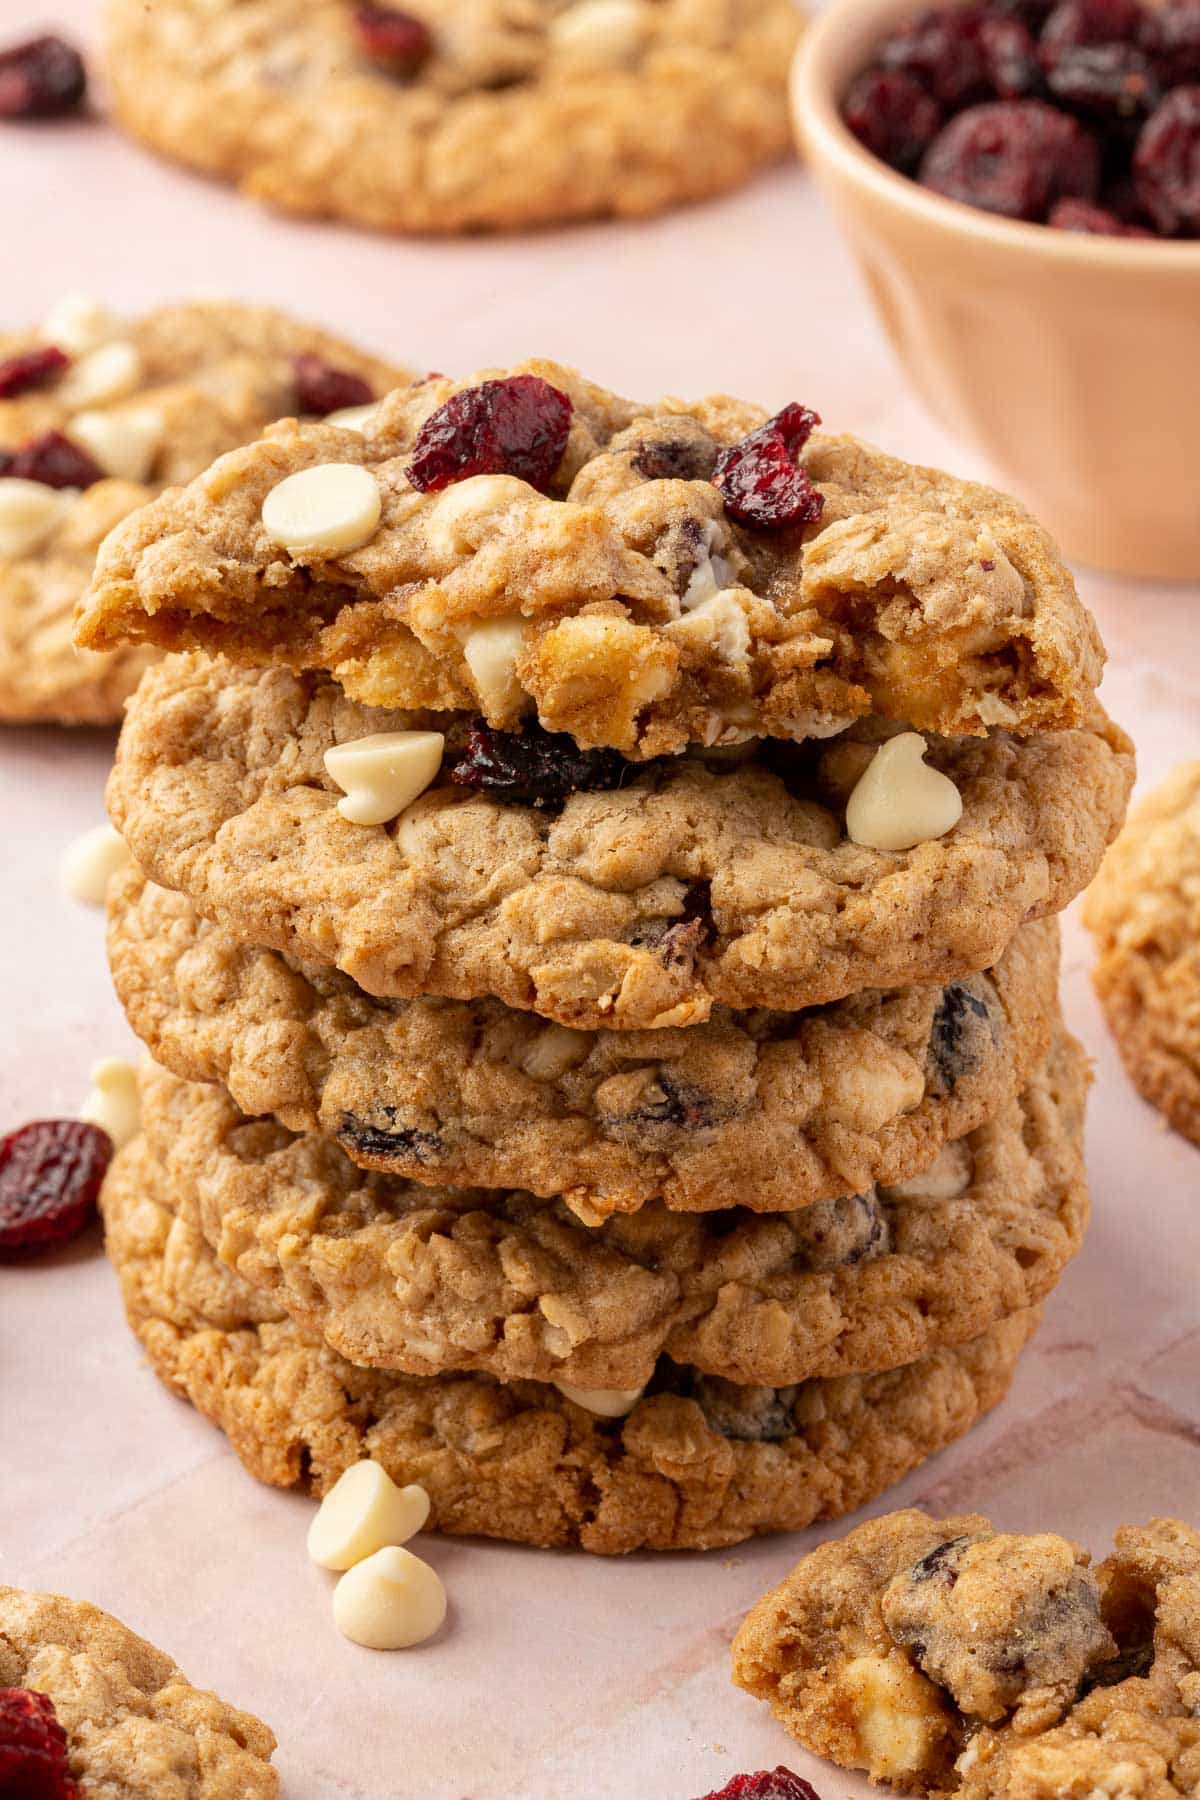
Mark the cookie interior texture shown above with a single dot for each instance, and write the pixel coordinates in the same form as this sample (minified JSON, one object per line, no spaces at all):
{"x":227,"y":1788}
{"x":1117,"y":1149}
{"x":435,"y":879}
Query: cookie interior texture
{"x":948,"y":1658}
{"x":134,"y":1724}
{"x":211,"y":375}
{"x":695,"y":883}
{"x":514,"y":118}
{"x":650,"y":618}
{"x":1144,"y":909}
{"x":698,"y":1462}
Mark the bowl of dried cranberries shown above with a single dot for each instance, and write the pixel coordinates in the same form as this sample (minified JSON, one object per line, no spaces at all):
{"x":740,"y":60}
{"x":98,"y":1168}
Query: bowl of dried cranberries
{"x":1020,"y":182}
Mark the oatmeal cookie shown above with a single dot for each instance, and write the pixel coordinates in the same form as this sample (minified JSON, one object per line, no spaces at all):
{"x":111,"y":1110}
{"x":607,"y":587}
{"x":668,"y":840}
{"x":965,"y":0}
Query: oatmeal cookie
{"x":150,"y":403}
{"x":696,"y":883}
{"x":698,"y":1462}
{"x":1144,"y":909}
{"x":134,"y":1725}
{"x":459,"y":115}
{"x":534,"y":543}
{"x":773,"y":1110}
{"x":433,"y":1280}
{"x":949,"y":1658}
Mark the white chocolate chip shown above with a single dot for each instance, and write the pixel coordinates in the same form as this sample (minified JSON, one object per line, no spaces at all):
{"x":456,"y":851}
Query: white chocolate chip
{"x":113,"y":1103}
{"x":711,"y":574}
{"x":606,"y":1403}
{"x":900,"y":801}
{"x":599,"y":34}
{"x":78,"y":324}
{"x":945,"y":1179}
{"x":29,"y":512}
{"x":107,"y":373}
{"x":555,"y":1050}
{"x":382,"y":774}
{"x":891,"y":1714}
{"x":389,"y":1601}
{"x":363,"y":1512}
{"x":327,"y":510}
{"x":124,"y":444}
{"x":719,"y":621}
{"x":491,"y":651}
{"x":462,"y":514}
{"x":353,"y":418}
{"x":88,"y":863}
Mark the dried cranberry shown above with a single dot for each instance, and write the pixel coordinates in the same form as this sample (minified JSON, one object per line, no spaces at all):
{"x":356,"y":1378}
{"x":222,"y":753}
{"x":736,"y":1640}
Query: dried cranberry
{"x":1106,"y":81}
{"x":56,"y":462}
{"x":1077,"y":22}
{"x":40,"y":79}
{"x":1077,"y":215}
{"x":1166,"y":163}
{"x":768,"y":1784}
{"x":1011,"y":59}
{"x":534,"y":767}
{"x":893,"y":116}
{"x":320,"y":388}
{"x":1015,"y":157}
{"x":942,"y":51}
{"x":1171,"y":37}
{"x":758,"y":477}
{"x":515,"y":426}
{"x":33,"y":1748}
{"x":392,"y":37}
{"x":50,"y":1175}
{"x":31,"y":369}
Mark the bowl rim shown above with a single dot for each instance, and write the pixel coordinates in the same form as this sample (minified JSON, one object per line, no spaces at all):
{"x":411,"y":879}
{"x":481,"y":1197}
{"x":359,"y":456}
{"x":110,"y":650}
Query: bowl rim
{"x":818,"y":121}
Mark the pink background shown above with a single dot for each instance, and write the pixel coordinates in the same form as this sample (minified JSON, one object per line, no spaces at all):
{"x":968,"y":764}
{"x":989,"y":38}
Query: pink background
{"x":557,"y":1675}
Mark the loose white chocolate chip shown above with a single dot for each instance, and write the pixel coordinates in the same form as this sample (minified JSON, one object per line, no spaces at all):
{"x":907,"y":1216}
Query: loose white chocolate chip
{"x":124,"y":444}
{"x":353,"y":418}
{"x":88,"y":863}
{"x":29,"y":512}
{"x":599,"y":34}
{"x":363,"y":1512}
{"x":462,"y":514}
{"x":606,"y":1403}
{"x":382,"y":774}
{"x":78,"y":324}
{"x":325,"y":510}
{"x":107,"y":373}
{"x":389,"y":1601}
{"x":113,"y":1102}
{"x":900,"y":801}
{"x":491,"y":651}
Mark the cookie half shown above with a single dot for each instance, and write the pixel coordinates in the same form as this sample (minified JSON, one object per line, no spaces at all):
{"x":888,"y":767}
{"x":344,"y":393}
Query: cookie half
{"x":1144,"y":909}
{"x":143,"y":403}
{"x":430,"y":1281}
{"x":695,"y":883}
{"x":697,"y":1463}
{"x":134,"y":1724}
{"x":946,"y":1657}
{"x":598,"y":581}
{"x":461,"y":115}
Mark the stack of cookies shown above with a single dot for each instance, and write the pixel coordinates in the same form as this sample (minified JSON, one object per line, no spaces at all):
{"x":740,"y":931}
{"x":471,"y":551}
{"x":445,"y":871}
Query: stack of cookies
{"x":592,"y":915}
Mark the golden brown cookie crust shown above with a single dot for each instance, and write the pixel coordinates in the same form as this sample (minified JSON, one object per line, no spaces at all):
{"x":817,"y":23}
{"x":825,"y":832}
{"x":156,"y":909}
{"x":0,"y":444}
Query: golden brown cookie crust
{"x":501,"y":129}
{"x":520,"y":1461}
{"x":648,"y":617}
{"x":135,"y":1725}
{"x":1144,"y":910}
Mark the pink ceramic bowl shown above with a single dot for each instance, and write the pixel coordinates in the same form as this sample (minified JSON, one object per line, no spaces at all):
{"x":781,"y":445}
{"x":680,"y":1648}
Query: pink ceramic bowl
{"x":1072,"y":361}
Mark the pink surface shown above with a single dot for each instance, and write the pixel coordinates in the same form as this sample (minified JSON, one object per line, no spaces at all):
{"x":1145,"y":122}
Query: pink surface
{"x":557,"y":1675}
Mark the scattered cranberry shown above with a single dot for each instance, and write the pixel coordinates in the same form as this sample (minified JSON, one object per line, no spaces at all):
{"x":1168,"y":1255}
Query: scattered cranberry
{"x":322,"y":389}
{"x":30,"y":369}
{"x":516,"y":426}
{"x":1077,"y":215}
{"x":534,"y":767}
{"x":1166,"y":163}
{"x":1107,"y":81}
{"x":33,"y":1748}
{"x":758,"y":477}
{"x":398,"y":40}
{"x":1077,"y":22}
{"x":50,"y":1175}
{"x":769,"y":1784}
{"x":942,"y":51}
{"x":1171,"y":37}
{"x":40,"y":79}
{"x":1016,"y":158}
{"x":893,"y":116}
{"x":55,"y":461}
{"x":1011,"y":59}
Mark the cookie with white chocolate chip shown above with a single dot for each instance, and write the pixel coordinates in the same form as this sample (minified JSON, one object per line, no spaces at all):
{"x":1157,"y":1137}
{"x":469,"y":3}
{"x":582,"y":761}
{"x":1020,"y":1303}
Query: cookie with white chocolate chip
{"x":599,"y":893}
{"x":459,"y":115}
{"x":97,"y":415}
{"x":946,"y":1657}
{"x":693,"y":1463}
{"x":114,"y":1715}
{"x":527,"y":545}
